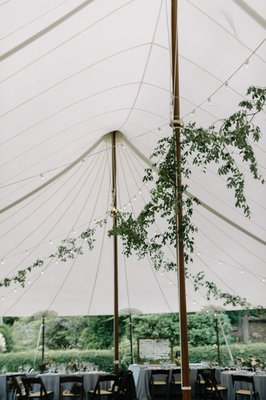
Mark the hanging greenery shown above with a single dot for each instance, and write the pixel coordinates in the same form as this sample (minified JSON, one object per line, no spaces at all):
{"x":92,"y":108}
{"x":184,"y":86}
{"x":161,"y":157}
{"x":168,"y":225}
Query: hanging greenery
{"x":219,"y":145}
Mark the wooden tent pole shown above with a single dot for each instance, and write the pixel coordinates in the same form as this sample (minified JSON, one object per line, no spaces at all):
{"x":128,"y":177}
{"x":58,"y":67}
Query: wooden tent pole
{"x":114,"y":213}
{"x":186,"y":388}
{"x":43,"y":337}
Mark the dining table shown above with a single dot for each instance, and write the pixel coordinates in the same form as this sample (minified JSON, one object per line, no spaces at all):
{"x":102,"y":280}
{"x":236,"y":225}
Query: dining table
{"x":142,"y":374}
{"x":259,"y":382}
{"x":50,"y":380}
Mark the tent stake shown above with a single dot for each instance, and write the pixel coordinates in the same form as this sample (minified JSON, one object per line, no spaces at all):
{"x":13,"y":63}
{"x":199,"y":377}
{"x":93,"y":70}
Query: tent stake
{"x":186,"y":388}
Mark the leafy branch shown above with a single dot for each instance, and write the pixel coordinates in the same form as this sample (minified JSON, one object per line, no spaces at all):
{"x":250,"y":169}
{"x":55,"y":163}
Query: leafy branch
{"x":200,"y":147}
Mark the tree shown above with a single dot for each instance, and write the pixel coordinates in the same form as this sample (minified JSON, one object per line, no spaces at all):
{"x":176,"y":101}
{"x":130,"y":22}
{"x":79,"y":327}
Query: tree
{"x":201,"y":329}
{"x":63,"y":332}
{"x":98,"y":334}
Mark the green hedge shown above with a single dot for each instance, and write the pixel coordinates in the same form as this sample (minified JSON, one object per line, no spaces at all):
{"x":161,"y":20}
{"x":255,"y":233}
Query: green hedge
{"x":24,"y":360}
{"x":104,"y":358}
{"x":209,"y":353}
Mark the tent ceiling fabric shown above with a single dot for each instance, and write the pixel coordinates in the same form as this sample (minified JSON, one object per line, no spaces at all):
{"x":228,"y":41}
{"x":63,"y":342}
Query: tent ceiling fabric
{"x":73,"y":71}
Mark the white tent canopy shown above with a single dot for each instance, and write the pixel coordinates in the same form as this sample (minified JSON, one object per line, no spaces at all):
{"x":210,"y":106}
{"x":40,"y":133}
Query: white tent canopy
{"x":71,"y":72}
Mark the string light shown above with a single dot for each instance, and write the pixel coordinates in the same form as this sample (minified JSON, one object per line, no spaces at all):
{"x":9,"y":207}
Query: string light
{"x":247,"y":63}
{"x":2,"y":262}
{"x":226,"y":85}
{"x":192,"y":113}
{"x":42,"y":176}
{"x":209,"y":101}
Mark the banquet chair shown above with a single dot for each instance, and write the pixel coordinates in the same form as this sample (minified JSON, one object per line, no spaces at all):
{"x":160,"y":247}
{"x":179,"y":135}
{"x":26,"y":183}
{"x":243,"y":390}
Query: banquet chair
{"x":176,"y":382}
{"x":159,"y":382}
{"x":18,"y":387}
{"x":125,"y":386}
{"x":105,"y":387}
{"x":200,"y":383}
{"x":211,"y":386}
{"x":35,"y":388}
{"x":71,"y":386}
{"x":248,"y":390}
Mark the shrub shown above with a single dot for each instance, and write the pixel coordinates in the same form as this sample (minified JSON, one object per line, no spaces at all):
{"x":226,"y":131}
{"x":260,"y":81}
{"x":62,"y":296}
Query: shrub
{"x":198,"y":354}
{"x":18,"y":361}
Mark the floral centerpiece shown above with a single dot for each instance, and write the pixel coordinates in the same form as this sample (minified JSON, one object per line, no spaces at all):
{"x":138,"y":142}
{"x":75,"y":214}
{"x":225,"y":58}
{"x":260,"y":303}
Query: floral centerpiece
{"x":251,"y":362}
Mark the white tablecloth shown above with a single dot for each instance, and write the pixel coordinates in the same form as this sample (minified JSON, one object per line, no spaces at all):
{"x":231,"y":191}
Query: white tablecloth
{"x":259,"y":381}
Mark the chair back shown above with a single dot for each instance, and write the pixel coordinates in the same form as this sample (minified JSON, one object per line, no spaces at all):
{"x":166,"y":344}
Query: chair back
{"x":160,"y":375}
{"x":176,"y":376}
{"x":36,"y":381}
{"x":72,"y":382}
{"x":107,"y":379}
{"x":208,"y":376}
{"x":19,"y":388}
{"x":125,"y":388}
{"x":245,"y":379}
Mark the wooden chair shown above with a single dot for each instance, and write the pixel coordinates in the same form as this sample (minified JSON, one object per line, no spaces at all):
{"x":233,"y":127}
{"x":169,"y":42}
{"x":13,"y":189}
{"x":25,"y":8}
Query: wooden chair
{"x":200,"y":383}
{"x":125,"y":387}
{"x":159,"y":382}
{"x":71,"y":386}
{"x":212,"y":388}
{"x":176,"y":382}
{"x":105,"y":386}
{"x":18,"y":387}
{"x":35,"y":388}
{"x":248,"y":390}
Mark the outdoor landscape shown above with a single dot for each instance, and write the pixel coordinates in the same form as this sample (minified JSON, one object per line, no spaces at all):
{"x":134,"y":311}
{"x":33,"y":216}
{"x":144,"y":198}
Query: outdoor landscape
{"x":82,"y":343}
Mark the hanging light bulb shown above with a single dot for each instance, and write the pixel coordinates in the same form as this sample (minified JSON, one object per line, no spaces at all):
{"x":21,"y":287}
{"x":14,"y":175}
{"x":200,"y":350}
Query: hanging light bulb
{"x":42,"y":176}
{"x":209,"y":101}
{"x":192,"y":113}
{"x":2,"y":262}
{"x":247,"y":63}
{"x":226,"y":85}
